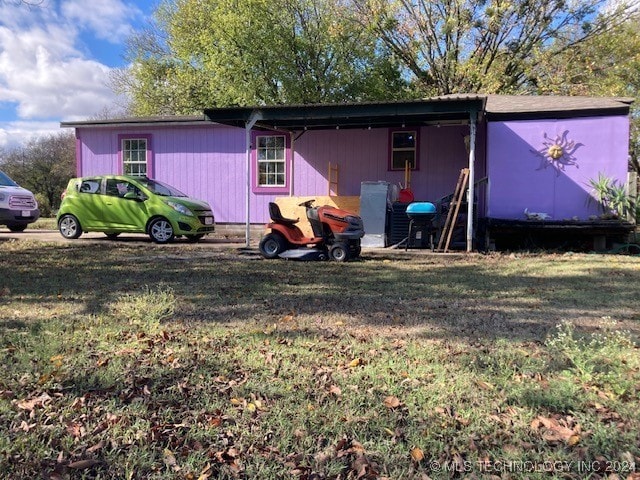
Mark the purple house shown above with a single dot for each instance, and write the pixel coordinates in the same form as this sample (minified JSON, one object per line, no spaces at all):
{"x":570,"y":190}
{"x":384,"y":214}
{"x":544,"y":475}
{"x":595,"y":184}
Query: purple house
{"x":524,"y":154}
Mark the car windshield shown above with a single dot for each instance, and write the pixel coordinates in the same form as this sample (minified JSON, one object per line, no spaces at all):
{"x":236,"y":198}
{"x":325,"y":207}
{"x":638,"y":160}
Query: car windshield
{"x":162,"y":189}
{"x":5,"y":181}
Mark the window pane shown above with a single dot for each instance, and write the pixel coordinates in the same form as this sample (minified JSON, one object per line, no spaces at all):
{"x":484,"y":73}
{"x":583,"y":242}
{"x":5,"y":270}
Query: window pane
{"x":134,"y":156}
{"x":271,"y":160}
{"x":401,"y":157}
{"x":404,"y":140}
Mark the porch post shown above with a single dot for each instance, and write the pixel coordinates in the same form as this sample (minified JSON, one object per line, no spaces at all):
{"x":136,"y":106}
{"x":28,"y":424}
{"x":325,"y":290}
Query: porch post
{"x":253,"y":118}
{"x":470,"y":197}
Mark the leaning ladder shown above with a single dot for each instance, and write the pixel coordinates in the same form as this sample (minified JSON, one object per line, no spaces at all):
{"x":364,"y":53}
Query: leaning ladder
{"x":454,"y":209}
{"x":333,"y":179}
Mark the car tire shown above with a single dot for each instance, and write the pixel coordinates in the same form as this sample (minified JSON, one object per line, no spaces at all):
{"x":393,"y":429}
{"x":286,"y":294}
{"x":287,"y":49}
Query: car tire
{"x":272,"y":245}
{"x":17,"y":227}
{"x":194,"y":238}
{"x":69,"y":227}
{"x":160,"y":230}
{"x":339,"y":252}
{"x":112,"y":236}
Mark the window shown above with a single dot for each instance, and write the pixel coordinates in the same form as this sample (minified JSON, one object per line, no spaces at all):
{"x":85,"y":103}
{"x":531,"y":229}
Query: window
{"x":134,"y":156}
{"x":119,"y":188}
{"x":271,"y":154}
{"x":89,"y":186}
{"x":404,"y":148}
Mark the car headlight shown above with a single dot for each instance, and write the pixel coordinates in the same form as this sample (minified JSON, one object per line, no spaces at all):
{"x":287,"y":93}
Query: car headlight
{"x":178,"y":207}
{"x":1,"y":197}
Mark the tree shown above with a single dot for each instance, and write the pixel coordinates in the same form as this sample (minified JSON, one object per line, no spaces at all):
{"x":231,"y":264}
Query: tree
{"x":44,"y":165}
{"x":606,"y":65}
{"x":491,"y":46}
{"x":227,"y":52}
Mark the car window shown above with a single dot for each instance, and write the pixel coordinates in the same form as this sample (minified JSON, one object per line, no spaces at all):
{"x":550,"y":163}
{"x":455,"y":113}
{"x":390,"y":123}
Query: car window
{"x":119,"y":188}
{"x":5,"y":181}
{"x":90,"y":186}
{"x":162,"y":189}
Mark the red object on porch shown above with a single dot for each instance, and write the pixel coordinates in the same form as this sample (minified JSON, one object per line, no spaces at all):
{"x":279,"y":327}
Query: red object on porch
{"x":405,"y":196}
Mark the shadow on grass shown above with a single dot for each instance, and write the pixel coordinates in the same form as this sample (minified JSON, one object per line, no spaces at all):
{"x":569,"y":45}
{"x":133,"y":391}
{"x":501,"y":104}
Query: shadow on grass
{"x":518,"y":298}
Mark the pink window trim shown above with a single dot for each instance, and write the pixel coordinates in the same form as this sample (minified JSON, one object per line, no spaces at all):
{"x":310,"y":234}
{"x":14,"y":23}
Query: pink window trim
{"x":396,"y":130}
{"x":254,"y":162}
{"x":133,"y":136}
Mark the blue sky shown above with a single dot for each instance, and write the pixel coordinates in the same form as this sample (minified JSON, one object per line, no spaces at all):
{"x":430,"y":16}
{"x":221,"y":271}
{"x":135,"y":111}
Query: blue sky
{"x":55,"y":61}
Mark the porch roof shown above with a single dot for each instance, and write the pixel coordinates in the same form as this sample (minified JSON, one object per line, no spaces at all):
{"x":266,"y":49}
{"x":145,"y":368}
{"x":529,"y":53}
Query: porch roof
{"x":453,"y":108}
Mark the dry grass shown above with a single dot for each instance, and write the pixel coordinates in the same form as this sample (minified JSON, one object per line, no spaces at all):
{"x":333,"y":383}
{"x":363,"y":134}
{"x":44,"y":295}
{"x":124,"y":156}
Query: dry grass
{"x":391,"y":366}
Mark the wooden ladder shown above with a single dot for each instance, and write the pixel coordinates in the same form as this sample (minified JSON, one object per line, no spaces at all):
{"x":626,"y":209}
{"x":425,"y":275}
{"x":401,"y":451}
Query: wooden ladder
{"x":333,"y":179}
{"x":454,"y":209}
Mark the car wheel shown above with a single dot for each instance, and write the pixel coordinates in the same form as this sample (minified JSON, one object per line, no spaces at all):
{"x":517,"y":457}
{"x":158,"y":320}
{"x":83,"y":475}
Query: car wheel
{"x":69,"y":227}
{"x":17,"y":227}
{"x":339,"y":252}
{"x":160,"y":230}
{"x":272,"y":245}
{"x":194,"y":238}
{"x":112,"y":236}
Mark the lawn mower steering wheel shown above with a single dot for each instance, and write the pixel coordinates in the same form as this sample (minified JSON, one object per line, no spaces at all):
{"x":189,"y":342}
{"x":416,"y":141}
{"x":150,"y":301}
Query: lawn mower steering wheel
{"x":307,"y":204}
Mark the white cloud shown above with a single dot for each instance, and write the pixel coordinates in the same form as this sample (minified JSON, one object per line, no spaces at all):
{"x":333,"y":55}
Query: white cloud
{"x":44,"y":69}
{"x":13,"y":134}
{"x":109,"y":19}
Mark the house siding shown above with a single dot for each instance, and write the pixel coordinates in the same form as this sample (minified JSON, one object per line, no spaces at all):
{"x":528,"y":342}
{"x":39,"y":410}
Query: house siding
{"x":520,"y":177}
{"x":363,"y":155}
{"x":209,"y":162}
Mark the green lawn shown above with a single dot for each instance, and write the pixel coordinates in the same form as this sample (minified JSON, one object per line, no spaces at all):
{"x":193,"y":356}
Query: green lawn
{"x":146,"y":361}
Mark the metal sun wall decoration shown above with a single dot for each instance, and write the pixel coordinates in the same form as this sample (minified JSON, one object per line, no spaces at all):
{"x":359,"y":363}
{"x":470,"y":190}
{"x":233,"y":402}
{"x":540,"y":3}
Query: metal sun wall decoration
{"x":558,"y":153}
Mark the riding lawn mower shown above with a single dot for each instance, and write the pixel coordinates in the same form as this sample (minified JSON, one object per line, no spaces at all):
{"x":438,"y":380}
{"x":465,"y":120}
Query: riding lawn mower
{"x":336,"y":234}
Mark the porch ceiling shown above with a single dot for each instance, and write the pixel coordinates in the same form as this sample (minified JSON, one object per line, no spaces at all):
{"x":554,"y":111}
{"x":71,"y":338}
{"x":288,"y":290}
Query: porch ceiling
{"x":352,"y":115}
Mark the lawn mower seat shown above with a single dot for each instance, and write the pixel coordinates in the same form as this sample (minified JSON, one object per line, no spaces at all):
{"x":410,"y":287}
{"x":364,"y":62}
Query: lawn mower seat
{"x":276,"y":215}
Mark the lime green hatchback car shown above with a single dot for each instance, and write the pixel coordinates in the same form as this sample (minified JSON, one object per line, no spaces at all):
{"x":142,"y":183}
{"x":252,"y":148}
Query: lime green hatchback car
{"x":116,"y":204}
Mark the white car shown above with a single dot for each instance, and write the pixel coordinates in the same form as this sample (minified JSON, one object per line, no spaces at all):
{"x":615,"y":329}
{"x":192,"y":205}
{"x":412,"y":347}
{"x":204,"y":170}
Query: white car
{"x":18,"y":206}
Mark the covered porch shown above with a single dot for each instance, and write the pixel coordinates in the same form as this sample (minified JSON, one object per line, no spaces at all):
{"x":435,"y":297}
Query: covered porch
{"x":334,"y":148}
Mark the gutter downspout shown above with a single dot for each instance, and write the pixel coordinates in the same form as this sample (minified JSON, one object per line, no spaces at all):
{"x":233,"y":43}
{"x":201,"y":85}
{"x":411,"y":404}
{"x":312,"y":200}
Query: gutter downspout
{"x":471,"y":194}
{"x":253,"y":118}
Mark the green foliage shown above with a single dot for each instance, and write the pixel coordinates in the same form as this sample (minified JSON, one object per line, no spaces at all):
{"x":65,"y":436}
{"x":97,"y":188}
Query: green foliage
{"x":44,"y":165}
{"x":489,"y":47}
{"x":43,"y":205}
{"x":147,"y":308}
{"x":612,"y":197}
{"x":224,"y":52}
{"x":599,"y":358}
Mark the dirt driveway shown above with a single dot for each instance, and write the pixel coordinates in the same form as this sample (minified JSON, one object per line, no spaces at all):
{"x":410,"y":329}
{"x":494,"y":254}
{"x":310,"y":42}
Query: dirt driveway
{"x":134,"y":238}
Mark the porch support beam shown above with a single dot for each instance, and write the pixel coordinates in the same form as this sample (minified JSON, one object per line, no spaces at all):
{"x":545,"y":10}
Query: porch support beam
{"x":471,"y":192}
{"x":253,"y":118}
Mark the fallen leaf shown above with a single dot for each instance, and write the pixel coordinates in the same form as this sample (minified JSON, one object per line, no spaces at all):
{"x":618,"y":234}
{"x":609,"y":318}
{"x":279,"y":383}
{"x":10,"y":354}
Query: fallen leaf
{"x":392,"y":402}
{"x":33,"y":403}
{"x":484,"y":385}
{"x":335,"y":390}
{"x":417,"y":455}
{"x":170,"y":459}
{"x":96,"y":447}
{"x":355,"y":362}
{"x":573,"y":440}
{"x":82,"y":464}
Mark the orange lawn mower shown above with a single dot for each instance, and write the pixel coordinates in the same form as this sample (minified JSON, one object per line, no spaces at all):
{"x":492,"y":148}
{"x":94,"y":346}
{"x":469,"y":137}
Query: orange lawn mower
{"x":336,"y":235}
